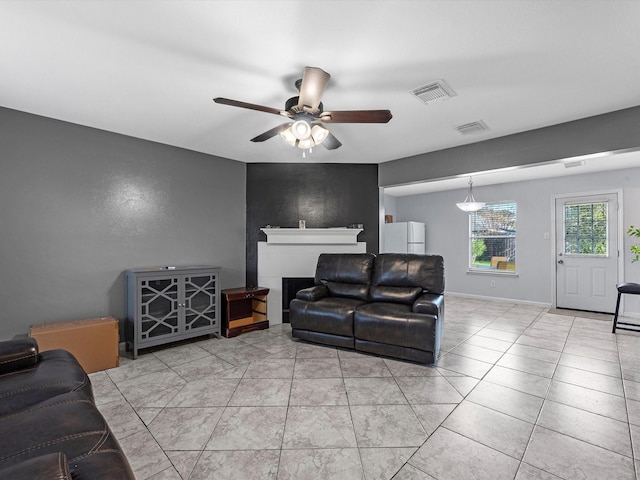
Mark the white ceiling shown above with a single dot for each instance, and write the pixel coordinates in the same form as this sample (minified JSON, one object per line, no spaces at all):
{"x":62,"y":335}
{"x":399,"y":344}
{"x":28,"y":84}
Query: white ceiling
{"x":150,"y":69}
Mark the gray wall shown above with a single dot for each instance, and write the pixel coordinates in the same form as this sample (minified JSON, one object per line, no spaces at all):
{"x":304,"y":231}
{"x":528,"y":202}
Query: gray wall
{"x":601,"y":133}
{"x":448,"y":229}
{"x":78,"y":206}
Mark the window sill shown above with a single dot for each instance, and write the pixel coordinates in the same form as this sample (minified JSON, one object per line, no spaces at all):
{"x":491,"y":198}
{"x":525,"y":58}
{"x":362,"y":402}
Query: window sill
{"x":500,"y":273}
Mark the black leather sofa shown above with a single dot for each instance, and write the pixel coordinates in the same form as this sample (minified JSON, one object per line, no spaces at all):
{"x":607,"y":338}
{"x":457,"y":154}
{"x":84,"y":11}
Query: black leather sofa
{"x":388,"y":304}
{"x":51,"y":428}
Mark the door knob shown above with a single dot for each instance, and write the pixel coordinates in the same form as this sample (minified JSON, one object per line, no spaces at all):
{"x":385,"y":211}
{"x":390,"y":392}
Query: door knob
{"x":560,"y":262}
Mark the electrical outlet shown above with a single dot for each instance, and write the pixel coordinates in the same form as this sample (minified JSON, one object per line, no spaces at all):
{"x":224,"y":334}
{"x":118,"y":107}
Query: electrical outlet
{"x":493,"y":283}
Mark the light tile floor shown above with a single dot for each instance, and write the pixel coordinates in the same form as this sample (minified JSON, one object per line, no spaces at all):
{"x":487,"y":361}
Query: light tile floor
{"x":519,"y":393}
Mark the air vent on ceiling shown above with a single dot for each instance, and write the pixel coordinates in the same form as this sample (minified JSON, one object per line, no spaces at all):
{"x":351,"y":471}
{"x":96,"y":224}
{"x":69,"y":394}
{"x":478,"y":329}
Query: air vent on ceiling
{"x":473,"y":127}
{"x":433,"y":91}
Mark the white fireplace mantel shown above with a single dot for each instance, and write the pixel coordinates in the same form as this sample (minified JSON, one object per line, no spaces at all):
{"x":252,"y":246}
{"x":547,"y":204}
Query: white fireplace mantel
{"x":316,"y":236}
{"x":293,"y":252}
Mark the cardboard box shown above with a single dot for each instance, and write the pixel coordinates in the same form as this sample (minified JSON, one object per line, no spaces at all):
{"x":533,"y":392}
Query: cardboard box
{"x":93,"y":341}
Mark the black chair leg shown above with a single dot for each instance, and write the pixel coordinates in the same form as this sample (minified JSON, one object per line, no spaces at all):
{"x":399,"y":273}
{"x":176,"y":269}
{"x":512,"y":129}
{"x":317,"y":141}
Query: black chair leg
{"x":615,"y":316}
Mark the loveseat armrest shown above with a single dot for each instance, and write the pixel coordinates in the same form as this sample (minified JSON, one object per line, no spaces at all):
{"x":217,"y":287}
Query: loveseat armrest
{"x":313,"y":294}
{"x":430,"y":303}
{"x":52,"y":466}
{"x":18,"y":354}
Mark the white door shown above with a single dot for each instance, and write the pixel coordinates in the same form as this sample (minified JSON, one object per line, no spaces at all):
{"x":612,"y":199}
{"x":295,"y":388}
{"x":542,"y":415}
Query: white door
{"x":587,"y":252}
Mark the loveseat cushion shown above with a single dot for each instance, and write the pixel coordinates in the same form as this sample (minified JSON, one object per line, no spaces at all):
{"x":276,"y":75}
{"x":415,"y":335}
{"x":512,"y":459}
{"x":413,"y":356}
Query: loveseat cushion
{"x":332,"y":315}
{"x":358,"y":291}
{"x":395,"y":324}
{"x":383,"y":293}
{"x":409,"y":270}
{"x":344,"y":268}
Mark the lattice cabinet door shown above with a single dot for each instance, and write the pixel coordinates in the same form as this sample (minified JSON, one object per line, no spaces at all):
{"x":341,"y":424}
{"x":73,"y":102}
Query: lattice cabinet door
{"x":158,"y":308}
{"x":200,"y":301}
{"x":170,"y":304}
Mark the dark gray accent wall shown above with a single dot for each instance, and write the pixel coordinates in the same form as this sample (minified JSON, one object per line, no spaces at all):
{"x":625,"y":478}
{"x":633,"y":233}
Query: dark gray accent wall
{"x":613,"y":131}
{"x":78,"y":206}
{"x":324,"y":195}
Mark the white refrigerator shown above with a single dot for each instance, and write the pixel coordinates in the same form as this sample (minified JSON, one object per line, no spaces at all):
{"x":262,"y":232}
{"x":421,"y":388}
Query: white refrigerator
{"x":403,"y":237}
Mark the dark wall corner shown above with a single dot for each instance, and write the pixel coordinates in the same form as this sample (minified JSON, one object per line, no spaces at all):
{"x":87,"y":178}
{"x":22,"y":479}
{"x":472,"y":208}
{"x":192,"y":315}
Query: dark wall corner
{"x":323,"y":195}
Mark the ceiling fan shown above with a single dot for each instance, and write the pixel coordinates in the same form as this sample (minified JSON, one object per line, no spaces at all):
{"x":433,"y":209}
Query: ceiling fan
{"x":306,"y":111}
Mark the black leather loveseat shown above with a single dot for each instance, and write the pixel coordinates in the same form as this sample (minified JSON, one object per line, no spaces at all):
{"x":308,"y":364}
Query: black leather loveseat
{"x":388,"y":304}
{"x":50,"y":426}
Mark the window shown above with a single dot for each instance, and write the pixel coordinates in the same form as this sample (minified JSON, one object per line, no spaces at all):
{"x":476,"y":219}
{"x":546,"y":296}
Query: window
{"x":585,"y":229}
{"x":492,"y":238}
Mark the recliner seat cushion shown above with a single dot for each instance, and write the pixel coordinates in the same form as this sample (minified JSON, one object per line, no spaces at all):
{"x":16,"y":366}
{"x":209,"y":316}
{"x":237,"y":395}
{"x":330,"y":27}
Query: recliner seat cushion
{"x":332,"y":315}
{"x":395,"y":324}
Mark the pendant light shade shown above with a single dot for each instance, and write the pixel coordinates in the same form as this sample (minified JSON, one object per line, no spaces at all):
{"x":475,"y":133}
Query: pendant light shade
{"x":470,"y":204}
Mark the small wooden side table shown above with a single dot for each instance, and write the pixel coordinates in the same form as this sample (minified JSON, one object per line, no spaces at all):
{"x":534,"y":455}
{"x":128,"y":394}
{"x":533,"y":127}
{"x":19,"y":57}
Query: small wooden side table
{"x":244,"y":310}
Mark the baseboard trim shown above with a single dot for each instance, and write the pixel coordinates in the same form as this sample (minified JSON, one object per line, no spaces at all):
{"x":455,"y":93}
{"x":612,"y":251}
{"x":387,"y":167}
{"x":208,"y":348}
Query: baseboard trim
{"x":499,"y":299}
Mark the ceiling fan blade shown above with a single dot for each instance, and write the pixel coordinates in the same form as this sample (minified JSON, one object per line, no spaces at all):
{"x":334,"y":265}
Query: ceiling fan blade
{"x":314,"y":81}
{"x":331,"y":142}
{"x":357,"y":116}
{"x":250,"y":106}
{"x":271,"y":133}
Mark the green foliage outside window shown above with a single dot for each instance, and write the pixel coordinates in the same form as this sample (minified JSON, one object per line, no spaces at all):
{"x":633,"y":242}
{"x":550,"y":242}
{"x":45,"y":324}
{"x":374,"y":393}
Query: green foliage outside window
{"x":634,"y":232}
{"x":478,"y":247}
{"x":586,"y":228}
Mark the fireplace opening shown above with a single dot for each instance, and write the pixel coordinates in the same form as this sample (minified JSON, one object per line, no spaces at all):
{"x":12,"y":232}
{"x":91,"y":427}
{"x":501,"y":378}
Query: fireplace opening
{"x":290,"y":286}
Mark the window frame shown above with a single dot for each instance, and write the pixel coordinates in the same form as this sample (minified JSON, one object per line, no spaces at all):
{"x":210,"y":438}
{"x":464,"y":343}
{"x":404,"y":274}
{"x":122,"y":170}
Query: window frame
{"x":506,"y":204}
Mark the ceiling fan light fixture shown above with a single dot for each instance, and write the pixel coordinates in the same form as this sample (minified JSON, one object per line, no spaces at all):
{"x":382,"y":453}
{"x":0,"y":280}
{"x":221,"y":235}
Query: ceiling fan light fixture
{"x":470,"y":204}
{"x":301,"y":129}
{"x":316,"y":135}
{"x":288,"y":136}
{"x":319,"y":134}
{"x":306,"y":144}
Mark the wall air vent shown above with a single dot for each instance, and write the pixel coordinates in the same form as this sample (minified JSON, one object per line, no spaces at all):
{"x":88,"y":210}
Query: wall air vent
{"x":472,"y":128}
{"x":434,"y":91}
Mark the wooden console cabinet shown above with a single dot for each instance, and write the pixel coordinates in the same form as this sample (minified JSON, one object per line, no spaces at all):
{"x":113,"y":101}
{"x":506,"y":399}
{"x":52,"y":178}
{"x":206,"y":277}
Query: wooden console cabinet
{"x":244,"y":310}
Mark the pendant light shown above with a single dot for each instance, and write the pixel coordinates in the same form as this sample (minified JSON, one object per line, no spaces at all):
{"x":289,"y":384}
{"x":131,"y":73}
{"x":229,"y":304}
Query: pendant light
{"x":470,"y":204}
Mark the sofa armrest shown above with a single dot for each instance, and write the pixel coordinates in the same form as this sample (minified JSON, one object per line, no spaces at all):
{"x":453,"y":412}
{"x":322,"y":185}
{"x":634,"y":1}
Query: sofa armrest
{"x":314,"y":293}
{"x":430,"y":303}
{"x":52,"y":466}
{"x":18,"y":354}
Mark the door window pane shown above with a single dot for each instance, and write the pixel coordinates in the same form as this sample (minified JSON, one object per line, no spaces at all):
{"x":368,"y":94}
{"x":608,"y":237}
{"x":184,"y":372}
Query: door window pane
{"x":585,"y":229}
